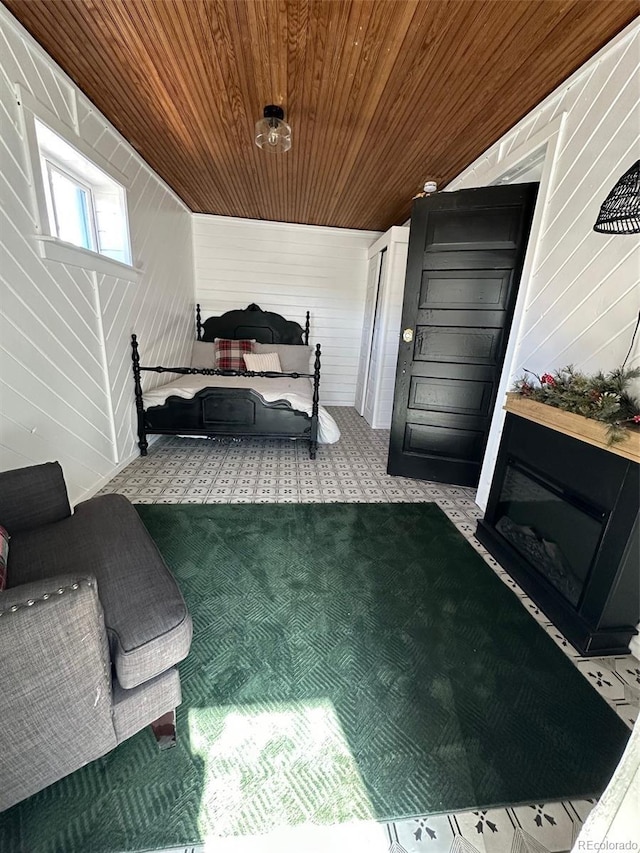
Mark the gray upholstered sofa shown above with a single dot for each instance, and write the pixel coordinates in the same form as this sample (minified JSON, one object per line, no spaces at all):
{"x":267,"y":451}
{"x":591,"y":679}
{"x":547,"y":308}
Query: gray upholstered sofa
{"x":92,"y":625}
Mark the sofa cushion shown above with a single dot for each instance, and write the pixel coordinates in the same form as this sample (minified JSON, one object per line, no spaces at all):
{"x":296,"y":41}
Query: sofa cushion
{"x":145,"y":615}
{"x":136,"y":708}
{"x":32,"y":496}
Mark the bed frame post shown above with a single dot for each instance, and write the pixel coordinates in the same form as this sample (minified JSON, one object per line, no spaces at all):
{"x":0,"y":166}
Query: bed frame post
{"x":306,"y":331}
{"x":198,"y":322}
{"x":313,"y":443}
{"x":143,"y":444}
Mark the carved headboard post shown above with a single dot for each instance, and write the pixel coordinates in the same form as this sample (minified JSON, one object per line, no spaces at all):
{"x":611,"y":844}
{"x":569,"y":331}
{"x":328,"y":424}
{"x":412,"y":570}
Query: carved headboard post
{"x":306,"y":331}
{"x":198,"y":322}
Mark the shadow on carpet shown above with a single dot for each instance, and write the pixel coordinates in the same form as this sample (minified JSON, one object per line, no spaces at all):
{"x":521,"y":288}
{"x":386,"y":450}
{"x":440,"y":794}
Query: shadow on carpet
{"x":349,"y":662}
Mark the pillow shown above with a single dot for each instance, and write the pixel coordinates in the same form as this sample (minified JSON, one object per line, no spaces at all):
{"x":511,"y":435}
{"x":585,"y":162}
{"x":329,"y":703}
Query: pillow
{"x":264,"y":361}
{"x":4,"y":556}
{"x":293,"y":358}
{"x":229,"y":353}
{"x":202,"y":354}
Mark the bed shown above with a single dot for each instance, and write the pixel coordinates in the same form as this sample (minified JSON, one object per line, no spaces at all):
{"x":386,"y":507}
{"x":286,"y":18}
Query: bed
{"x":206,"y":401}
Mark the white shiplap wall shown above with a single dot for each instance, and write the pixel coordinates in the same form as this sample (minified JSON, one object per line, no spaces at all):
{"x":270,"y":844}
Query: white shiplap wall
{"x":290,"y":269}
{"x":66,"y":391}
{"x":580,"y":298}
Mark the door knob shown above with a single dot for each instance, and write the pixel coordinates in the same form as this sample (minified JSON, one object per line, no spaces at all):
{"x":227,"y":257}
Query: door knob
{"x":407,"y":336}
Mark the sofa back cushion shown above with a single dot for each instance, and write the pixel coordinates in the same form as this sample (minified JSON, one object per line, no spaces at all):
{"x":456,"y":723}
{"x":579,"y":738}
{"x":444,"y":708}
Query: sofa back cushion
{"x":31,"y":497}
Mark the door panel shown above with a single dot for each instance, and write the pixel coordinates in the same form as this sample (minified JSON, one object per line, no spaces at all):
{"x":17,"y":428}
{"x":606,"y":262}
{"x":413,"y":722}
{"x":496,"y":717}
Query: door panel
{"x":472,"y":290}
{"x":450,"y":395}
{"x":466,"y":251}
{"x":444,"y":441}
{"x":454,"y":230}
{"x":477,"y":346}
{"x":470,"y":259}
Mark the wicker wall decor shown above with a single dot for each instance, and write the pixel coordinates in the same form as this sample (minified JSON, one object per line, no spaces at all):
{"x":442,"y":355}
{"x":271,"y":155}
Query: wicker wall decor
{"x":620,"y":211}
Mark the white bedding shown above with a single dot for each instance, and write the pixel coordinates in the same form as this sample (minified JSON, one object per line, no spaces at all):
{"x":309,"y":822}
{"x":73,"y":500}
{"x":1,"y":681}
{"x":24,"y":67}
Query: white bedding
{"x":297,"y":392}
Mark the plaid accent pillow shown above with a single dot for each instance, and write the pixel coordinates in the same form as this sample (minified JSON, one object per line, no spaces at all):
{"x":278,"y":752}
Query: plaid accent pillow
{"x":4,"y":556}
{"x":228,"y":354}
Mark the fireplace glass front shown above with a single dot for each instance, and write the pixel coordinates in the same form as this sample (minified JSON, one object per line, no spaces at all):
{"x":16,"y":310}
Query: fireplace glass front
{"x":554,"y":531}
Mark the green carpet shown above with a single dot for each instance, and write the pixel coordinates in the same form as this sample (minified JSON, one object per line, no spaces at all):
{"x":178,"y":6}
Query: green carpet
{"x":349,"y":661}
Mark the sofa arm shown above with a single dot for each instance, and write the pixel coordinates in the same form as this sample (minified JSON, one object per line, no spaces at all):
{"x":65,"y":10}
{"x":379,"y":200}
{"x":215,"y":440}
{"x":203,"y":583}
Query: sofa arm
{"x":55,"y":683}
{"x":33,"y":496}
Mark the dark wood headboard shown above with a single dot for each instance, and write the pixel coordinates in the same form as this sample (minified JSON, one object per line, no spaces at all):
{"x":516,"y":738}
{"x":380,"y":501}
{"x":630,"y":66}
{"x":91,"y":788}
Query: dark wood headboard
{"x":252,"y":322}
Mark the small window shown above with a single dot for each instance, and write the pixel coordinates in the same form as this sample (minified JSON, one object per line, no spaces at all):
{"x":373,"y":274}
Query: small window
{"x":85,"y":206}
{"x":71,"y":208}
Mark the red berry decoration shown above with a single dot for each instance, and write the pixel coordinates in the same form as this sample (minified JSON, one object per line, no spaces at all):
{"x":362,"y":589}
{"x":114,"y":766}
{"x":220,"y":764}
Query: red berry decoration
{"x":547,"y":379}
{"x":636,"y":419}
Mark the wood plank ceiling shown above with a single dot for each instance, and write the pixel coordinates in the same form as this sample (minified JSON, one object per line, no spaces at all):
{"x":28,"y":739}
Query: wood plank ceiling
{"x":381,"y":94}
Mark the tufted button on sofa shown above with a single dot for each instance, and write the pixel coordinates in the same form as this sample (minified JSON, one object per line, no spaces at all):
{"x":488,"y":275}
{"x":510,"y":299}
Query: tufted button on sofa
{"x":92,"y":625}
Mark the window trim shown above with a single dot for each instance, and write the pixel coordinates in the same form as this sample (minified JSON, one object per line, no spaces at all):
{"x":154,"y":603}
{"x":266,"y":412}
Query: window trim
{"x":52,"y":166}
{"x":54,"y":249}
{"x":50,"y":246}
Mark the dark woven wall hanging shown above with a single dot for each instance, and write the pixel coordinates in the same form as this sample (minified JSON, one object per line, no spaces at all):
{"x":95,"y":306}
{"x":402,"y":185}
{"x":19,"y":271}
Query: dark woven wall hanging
{"x":620,"y":211}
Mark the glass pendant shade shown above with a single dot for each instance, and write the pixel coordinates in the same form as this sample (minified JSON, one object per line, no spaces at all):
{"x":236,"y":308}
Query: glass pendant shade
{"x":273,"y":134}
{"x":620,"y":211}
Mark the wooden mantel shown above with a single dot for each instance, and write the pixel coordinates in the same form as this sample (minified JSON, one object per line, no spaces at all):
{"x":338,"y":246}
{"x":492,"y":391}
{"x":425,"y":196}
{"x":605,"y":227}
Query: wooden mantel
{"x":576,"y":426}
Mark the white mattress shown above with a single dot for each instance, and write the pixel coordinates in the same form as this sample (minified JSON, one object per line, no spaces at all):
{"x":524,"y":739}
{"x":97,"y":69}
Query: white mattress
{"x":297,"y":392}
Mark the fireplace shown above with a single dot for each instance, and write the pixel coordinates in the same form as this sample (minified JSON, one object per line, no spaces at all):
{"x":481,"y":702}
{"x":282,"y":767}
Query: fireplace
{"x":556,"y":532}
{"x":562,"y":519}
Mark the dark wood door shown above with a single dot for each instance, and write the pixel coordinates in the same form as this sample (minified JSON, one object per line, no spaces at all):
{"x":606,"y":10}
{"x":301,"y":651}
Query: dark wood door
{"x":466,"y":251}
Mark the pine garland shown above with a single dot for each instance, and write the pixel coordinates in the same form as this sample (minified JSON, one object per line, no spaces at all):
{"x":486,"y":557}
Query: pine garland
{"x":603,"y":397}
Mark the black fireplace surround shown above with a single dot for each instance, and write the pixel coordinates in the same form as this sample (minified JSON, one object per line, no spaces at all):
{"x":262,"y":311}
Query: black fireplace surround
{"x":562,"y":519}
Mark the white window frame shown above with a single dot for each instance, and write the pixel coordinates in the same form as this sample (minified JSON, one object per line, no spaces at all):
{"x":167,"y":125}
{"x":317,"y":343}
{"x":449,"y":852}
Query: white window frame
{"x":52,"y":166}
{"x":50,"y":246}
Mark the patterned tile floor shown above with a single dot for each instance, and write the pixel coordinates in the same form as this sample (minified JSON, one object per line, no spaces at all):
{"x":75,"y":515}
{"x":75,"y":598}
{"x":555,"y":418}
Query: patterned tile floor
{"x":258,"y":471}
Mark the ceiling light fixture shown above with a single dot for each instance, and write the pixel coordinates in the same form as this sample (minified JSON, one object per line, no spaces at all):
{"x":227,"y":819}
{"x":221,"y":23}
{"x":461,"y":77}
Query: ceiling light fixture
{"x":273,"y":134}
{"x":620,"y":211}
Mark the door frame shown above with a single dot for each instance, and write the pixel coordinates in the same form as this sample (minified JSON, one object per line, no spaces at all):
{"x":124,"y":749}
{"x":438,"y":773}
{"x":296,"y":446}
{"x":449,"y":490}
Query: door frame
{"x":396,"y":234}
{"x":366,"y":341}
{"x":371,"y":385}
{"x":547,"y":141}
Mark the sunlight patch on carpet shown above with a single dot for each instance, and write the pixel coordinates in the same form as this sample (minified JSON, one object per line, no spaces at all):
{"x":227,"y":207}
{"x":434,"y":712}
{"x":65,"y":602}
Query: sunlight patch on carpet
{"x":293,"y":757}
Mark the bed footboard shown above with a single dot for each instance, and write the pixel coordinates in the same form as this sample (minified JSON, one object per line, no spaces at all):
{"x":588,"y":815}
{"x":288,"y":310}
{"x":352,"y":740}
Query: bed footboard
{"x":227,"y":412}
